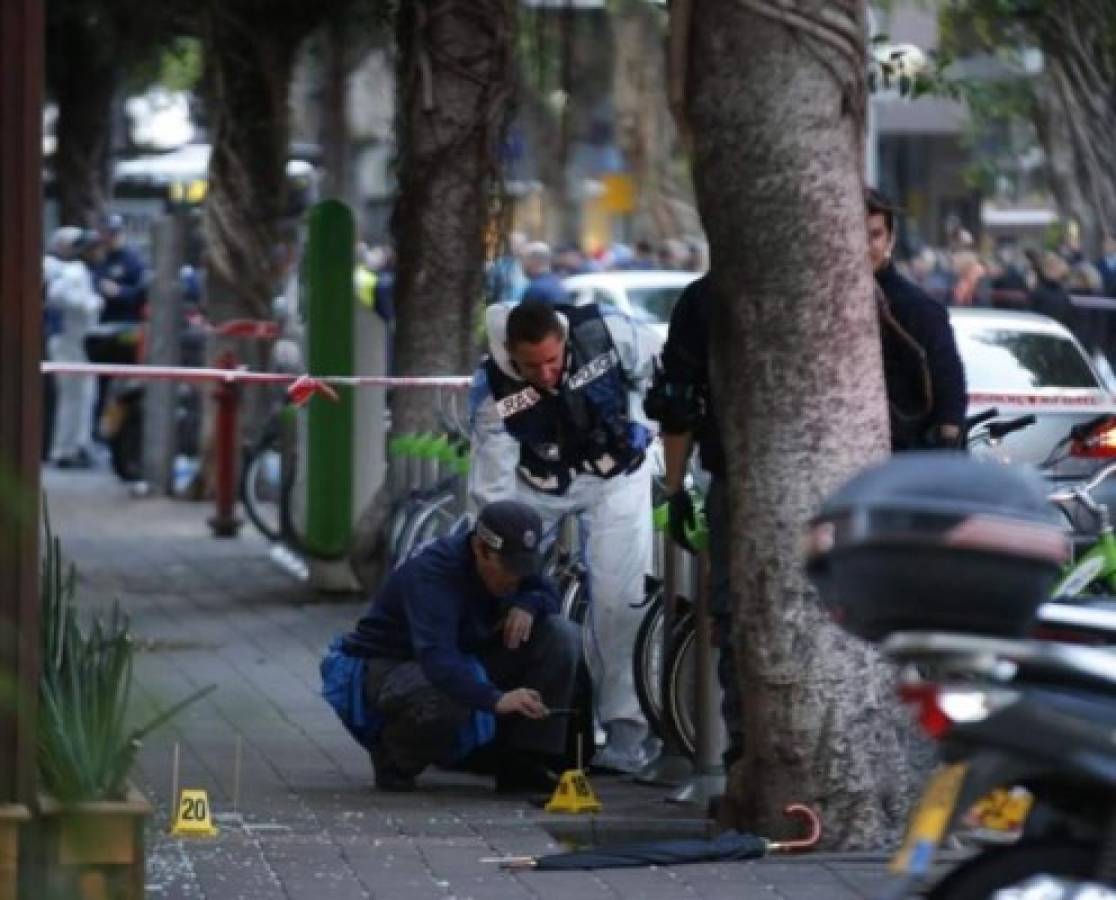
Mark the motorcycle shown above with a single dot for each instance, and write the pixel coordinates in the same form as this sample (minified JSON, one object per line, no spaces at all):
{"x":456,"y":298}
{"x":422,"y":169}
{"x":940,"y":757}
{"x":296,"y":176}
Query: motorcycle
{"x":945,"y":563}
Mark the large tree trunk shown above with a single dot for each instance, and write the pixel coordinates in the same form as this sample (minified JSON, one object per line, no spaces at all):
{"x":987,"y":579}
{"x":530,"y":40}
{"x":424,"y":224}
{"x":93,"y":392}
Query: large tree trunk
{"x":777,"y":116}
{"x":250,"y":47}
{"x":455,"y":82}
{"x":83,"y":87}
{"x":249,"y":71}
{"x":645,"y":131}
{"x":1075,"y":113}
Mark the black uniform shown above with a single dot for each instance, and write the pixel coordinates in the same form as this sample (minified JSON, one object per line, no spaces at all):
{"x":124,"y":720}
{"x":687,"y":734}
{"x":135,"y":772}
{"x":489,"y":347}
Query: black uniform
{"x":685,"y":360}
{"x":922,"y":368}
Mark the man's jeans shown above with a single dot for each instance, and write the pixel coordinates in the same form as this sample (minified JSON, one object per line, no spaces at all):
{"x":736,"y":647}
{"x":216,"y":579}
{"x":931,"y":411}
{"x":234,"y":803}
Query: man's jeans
{"x":422,"y":722}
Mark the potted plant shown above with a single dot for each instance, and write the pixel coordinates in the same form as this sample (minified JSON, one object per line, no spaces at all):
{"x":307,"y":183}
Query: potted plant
{"x":91,"y":818}
{"x":12,"y":816}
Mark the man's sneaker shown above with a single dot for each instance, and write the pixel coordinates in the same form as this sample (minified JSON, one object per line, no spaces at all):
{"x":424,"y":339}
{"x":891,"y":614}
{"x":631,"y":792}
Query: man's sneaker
{"x":391,"y":778}
{"x":525,"y":777}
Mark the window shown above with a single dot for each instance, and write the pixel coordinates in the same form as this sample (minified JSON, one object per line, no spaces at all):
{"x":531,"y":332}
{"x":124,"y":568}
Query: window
{"x":603,"y":299}
{"x":654,"y":304}
{"x":1005,"y":360}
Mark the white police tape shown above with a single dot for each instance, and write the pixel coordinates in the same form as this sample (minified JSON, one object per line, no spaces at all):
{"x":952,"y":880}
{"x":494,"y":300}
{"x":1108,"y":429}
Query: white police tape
{"x":300,"y":387}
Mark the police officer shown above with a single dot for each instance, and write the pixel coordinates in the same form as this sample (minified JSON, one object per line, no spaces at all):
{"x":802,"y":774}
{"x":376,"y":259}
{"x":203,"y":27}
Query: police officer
{"x":464,"y":630}
{"x":922,"y":369}
{"x":555,"y":410}
{"x":680,"y":400}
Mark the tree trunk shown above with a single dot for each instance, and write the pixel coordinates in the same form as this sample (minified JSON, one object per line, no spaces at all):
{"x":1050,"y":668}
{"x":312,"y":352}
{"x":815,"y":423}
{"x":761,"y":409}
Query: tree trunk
{"x":335,"y":118}
{"x":455,"y":80}
{"x":455,"y":83}
{"x":645,"y":131}
{"x":83,"y":88}
{"x":249,"y":76}
{"x":778,"y":123}
{"x":1075,"y":113}
{"x":248,"y":73}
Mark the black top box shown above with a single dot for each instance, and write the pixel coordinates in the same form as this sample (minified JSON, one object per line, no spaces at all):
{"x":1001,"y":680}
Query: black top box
{"x":937,"y":542}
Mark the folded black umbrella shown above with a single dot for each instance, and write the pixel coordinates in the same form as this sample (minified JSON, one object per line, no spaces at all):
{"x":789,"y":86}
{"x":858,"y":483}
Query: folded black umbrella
{"x":726,"y":847}
{"x":732,"y":845}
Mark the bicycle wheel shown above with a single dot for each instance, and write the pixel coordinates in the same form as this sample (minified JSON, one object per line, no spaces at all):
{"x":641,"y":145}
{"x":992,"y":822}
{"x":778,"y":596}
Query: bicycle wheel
{"x":647,"y":664}
{"x":676,"y":711}
{"x":574,"y":600}
{"x":678,"y":706}
{"x":420,"y":516}
{"x":261,"y":487}
{"x":438,"y":522}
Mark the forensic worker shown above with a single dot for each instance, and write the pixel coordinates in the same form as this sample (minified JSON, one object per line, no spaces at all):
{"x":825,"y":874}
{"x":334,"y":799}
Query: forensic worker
{"x":555,"y":422}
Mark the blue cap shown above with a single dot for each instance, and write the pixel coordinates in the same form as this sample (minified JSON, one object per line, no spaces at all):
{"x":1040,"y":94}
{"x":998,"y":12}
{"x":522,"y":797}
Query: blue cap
{"x":514,"y":531}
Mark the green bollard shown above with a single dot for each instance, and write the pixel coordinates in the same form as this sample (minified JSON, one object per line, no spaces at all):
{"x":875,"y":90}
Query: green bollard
{"x":328,"y":281}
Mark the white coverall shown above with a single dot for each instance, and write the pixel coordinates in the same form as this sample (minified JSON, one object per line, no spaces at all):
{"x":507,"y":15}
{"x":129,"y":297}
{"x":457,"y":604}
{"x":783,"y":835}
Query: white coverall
{"x":614,"y":517}
{"x":70,"y":291}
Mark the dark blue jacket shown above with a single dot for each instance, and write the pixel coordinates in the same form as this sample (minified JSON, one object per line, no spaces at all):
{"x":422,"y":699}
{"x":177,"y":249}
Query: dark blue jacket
{"x":124,"y":266}
{"x":926,"y":350}
{"x":435,"y":609}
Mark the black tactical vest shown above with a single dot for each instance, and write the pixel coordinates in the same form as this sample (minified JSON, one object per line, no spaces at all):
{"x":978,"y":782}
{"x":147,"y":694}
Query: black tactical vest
{"x":583,"y":426}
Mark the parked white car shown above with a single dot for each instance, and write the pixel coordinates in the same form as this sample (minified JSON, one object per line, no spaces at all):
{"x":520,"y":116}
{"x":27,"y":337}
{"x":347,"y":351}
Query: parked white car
{"x":646,"y":296}
{"x":1025,"y":363}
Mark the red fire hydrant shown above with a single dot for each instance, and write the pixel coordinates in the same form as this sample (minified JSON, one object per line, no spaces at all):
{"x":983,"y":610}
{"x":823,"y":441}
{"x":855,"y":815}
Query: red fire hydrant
{"x":224,"y":523}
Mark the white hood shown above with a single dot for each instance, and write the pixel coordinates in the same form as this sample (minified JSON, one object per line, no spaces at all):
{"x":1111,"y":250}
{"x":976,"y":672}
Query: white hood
{"x":496,"y":327}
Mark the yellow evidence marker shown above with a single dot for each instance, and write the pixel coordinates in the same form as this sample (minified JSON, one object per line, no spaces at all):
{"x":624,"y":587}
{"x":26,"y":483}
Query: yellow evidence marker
{"x":574,"y":794}
{"x":193,"y":818}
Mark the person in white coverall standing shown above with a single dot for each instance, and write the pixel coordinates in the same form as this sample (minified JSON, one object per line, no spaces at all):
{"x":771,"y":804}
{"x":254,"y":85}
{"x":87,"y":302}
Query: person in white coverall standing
{"x":75,"y":307}
{"x":556,"y":420}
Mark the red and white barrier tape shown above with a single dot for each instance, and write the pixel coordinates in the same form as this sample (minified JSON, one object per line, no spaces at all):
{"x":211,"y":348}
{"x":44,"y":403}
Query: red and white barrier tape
{"x":300,"y":388}
{"x":1062,"y":398}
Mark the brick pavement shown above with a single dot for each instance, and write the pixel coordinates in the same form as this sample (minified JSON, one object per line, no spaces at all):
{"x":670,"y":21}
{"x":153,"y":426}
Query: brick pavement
{"x":304,"y":820}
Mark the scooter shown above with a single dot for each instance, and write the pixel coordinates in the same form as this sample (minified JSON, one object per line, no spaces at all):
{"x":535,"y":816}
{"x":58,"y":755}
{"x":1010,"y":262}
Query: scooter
{"x":1031,"y":720}
{"x":945,"y":562}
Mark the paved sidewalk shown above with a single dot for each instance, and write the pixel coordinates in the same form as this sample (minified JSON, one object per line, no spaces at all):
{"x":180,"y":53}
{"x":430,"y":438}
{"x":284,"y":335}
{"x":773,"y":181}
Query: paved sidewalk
{"x":303,"y":820}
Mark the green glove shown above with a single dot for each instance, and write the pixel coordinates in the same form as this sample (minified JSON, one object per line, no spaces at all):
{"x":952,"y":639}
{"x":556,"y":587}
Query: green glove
{"x":680,"y":518}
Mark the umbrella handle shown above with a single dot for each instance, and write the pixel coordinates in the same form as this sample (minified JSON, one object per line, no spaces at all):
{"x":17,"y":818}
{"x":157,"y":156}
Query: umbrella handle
{"x":813,"y":836}
{"x":512,"y":862}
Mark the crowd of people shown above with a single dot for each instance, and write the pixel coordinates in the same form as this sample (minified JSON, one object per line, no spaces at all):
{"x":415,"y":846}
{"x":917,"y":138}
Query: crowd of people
{"x":533,"y":270}
{"x":1022,"y":278}
{"x":91,"y":277}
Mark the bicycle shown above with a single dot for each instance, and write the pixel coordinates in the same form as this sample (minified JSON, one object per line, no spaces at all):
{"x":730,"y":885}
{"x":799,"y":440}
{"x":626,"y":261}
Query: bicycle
{"x":673,"y":714}
{"x":267,"y":477}
{"x":1093,"y":571}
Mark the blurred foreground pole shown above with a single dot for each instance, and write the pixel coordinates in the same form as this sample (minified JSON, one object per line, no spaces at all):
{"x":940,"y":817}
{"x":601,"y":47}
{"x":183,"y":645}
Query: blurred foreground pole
{"x":224,"y":523}
{"x":164,"y":348}
{"x":21,"y":103}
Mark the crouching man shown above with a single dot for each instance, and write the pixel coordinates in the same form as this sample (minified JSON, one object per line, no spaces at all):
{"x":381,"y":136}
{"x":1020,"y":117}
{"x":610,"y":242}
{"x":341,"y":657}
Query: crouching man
{"x":462,"y":645}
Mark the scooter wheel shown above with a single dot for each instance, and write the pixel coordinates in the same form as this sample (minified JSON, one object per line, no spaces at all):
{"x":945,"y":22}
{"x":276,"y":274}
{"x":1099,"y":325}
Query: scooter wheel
{"x":1002,"y":867}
